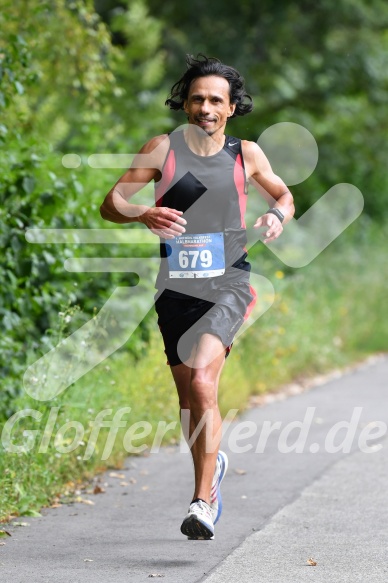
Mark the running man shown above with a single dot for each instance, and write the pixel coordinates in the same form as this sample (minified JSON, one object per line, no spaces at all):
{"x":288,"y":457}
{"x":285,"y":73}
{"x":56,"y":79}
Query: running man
{"x":203,"y":294}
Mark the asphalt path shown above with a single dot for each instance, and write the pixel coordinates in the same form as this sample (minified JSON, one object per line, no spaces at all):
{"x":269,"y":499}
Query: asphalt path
{"x":282,"y":507}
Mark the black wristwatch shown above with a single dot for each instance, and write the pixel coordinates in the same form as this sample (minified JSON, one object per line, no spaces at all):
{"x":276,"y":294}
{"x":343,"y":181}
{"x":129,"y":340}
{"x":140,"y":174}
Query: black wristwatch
{"x":277,"y":213}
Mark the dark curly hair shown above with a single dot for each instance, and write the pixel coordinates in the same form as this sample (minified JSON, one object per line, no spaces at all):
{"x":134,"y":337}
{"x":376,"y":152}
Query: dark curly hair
{"x":202,"y":67}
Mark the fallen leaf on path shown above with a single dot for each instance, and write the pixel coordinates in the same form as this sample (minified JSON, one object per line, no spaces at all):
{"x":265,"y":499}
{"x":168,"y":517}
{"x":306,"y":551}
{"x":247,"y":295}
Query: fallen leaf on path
{"x":124,"y":483}
{"x":116,"y":475}
{"x":3,"y":532}
{"x":84,"y":501}
{"x":240,"y":472}
{"x":98,"y":490}
{"x":146,"y":488}
{"x":132,"y":481}
{"x":144,"y":473}
{"x":311,"y":562}
{"x":88,"y":560}
{"x":20,"y":524}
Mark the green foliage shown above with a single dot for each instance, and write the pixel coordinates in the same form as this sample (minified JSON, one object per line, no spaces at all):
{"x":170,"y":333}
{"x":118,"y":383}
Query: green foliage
{"x":63,"y":87}
{"x":65,"y":59}
{"x":322,"y":65}
{"x":35,"y":286}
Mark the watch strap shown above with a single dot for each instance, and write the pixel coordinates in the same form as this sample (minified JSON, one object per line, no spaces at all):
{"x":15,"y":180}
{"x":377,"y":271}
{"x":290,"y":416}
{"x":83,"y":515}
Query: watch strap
{"x":277,"y":213}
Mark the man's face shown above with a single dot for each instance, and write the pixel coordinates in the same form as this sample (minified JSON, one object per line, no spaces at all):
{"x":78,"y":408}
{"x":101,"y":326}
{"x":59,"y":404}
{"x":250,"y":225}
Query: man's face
{"x":208,"y":104}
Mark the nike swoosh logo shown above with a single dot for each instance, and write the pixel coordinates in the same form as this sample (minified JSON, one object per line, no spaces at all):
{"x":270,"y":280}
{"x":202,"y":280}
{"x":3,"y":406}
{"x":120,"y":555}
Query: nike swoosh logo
{"x":232,"y":143}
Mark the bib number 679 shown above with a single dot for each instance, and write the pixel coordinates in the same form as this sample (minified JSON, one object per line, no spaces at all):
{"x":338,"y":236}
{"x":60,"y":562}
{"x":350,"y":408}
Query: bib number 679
{"x":187,"y":258}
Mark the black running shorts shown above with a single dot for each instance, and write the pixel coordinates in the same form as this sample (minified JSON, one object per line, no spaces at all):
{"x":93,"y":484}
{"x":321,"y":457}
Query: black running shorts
{"x":221,"y":314}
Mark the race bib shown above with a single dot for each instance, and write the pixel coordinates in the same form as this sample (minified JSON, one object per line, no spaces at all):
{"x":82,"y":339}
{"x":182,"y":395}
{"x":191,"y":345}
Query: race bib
{"x":200,"y":255}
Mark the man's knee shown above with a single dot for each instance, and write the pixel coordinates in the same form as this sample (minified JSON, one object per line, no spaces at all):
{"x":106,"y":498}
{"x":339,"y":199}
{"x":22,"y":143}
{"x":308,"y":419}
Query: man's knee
{"x":203,"y":390}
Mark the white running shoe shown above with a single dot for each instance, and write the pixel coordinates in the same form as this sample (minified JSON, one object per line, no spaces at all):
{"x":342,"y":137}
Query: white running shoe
{"x":198,"y":523}
{"x":215,"y":493}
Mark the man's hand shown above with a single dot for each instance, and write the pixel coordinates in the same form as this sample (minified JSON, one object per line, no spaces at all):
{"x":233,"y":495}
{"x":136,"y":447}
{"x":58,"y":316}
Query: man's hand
{"x":164,"y":222}
{"x":274,"y":225}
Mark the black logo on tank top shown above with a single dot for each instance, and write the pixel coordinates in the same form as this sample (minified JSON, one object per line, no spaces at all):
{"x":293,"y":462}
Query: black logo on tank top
{"x":184,"y":193}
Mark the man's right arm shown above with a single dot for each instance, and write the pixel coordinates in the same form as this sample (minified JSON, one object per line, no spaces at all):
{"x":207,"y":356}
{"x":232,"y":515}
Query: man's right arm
{"x":147,"y":165}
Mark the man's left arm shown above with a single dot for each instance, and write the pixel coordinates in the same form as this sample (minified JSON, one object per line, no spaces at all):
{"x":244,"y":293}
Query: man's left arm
{"x":271,"y":187}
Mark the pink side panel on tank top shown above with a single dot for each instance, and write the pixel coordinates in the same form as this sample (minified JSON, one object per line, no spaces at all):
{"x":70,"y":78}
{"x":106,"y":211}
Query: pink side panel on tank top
{"x":239,"y":180}
{"x":167,"y":175}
